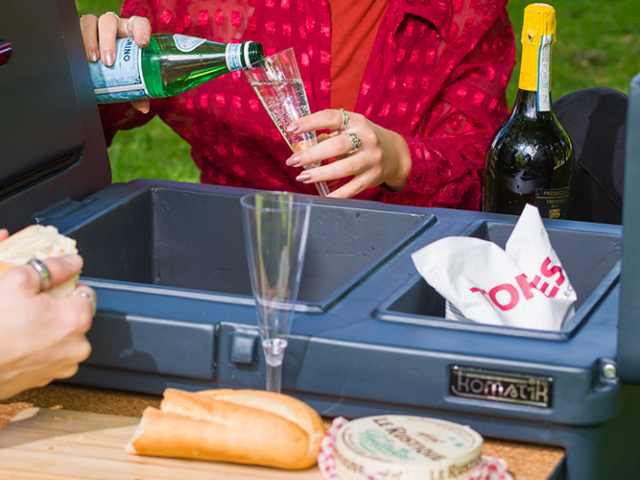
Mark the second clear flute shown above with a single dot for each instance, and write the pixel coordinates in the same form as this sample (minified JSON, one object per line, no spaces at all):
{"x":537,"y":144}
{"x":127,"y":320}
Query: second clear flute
{"x":278,"y":84}
{"x":276,"y":226}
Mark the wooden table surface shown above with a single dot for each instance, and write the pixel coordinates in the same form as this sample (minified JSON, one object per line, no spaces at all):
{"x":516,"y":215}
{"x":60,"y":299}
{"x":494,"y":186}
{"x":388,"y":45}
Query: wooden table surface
{"x":41,"y":443}
{"x":80,"y":433}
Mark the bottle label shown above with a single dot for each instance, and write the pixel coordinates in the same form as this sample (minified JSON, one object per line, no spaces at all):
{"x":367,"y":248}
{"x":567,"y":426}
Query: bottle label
{"x":123,"y":81}
{"x":552,"y":202}
{"x":186,"y":44}
{"x":234,"y":56}
{"x":544,"y":73}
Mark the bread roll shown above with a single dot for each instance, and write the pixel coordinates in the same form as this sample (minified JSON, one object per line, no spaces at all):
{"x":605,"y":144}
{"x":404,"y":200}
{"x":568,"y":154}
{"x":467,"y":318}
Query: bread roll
{"x":38,"y":241}
{"x":237,"y":426}
{"x":5,"y":266}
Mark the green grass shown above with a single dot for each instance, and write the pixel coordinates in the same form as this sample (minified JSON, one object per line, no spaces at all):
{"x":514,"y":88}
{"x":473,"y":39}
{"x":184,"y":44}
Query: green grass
{"x":152,"y":151}
{"x":598,"y":45}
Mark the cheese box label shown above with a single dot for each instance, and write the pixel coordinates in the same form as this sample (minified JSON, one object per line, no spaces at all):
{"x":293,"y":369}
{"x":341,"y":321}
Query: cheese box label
{"x":406,"y":448}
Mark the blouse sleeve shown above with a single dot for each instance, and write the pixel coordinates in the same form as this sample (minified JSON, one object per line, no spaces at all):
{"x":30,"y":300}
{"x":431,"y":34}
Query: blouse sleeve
{"x":449,"y":146}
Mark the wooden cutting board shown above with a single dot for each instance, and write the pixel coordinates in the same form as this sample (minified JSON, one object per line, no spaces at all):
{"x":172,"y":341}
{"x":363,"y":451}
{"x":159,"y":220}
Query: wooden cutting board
{"x":44,"y":444}
{"x":55,"y":444}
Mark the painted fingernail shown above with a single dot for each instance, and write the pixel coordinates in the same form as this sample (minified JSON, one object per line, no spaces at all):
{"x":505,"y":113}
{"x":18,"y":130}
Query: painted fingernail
{"x":293,"y":161}
{"x":108,"y":59}
{"x":305,"y":177}
{"x":293,"y":127}
{"x":94,"y":55}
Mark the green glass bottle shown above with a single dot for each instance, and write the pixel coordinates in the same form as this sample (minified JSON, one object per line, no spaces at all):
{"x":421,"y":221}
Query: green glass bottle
{"x":530,"y":159}
{"x":169,"y":65}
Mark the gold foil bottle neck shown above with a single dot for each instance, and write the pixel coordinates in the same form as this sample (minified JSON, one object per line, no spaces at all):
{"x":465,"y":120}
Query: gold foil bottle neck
{"x":539,"y":20}
{"x":538,"y":36}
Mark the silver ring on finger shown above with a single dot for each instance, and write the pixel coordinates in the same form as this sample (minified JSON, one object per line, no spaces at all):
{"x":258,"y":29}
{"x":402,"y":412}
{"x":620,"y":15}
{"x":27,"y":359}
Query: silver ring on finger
{"x":356,"y":143}
{"x":129,"y":32}
{"x":43,"y":272}
{"x":115,"y":15}
{"x":88,"y":296}
{"x":345,"y":120}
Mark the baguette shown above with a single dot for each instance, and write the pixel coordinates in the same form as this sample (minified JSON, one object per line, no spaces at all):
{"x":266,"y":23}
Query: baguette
{"x":237,"y":426}
{"x":38,"y":241}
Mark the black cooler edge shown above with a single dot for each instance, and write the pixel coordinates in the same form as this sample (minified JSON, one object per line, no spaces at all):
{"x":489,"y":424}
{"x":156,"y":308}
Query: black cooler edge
{"x":52,"y":149}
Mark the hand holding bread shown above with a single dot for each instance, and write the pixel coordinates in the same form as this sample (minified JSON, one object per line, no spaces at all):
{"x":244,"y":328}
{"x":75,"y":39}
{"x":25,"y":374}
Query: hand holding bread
{"x":41,"y":242}
{"x":239,"y":426}
{"x":42,"y":334}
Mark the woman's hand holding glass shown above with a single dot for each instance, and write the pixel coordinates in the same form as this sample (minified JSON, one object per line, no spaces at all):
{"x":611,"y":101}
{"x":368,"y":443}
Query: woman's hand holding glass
{"x":370,"y":154}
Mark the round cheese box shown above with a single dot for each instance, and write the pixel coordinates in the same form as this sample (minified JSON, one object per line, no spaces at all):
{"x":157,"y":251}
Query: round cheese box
{"x":406,"y":448}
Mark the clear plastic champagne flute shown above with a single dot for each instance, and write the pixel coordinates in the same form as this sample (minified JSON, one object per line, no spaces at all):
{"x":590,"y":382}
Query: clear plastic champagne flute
{"x":277,"y":82}
{"x":276,"y":226}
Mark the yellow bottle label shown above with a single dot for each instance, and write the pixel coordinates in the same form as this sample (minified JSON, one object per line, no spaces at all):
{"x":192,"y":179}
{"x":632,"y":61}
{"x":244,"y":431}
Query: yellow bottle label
{"x":538,"y":35}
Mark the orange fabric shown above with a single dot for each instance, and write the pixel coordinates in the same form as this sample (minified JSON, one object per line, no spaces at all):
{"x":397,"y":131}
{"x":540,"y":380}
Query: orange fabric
{"x":351,"y":44}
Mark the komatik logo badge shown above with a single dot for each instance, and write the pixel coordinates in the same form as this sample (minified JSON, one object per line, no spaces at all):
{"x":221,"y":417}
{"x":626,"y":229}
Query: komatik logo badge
{"x":501,"y":387}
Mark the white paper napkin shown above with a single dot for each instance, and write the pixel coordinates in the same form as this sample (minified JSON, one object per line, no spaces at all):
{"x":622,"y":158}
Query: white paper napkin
{"x":522,"y":286}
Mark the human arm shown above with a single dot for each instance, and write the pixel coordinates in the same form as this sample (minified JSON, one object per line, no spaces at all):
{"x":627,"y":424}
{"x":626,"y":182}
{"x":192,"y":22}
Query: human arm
{"x":444,"y":96}
{"x":108,"y":28}
{"x":42,"y":338}
{"x":99,"y":35}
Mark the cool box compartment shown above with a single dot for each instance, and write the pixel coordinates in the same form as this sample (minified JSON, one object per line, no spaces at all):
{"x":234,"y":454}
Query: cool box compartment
{"x":193,"y":239}
{"x":591,"y":258}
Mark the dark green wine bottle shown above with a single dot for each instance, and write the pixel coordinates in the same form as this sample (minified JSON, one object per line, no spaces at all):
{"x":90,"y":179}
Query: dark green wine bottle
{"x":530,"y":159}
{"x":169,"y":65}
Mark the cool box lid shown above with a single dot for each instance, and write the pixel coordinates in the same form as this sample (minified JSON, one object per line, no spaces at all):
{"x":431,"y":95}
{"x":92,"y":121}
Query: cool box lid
{"x":629,"y":321}
{"x":52,"y":149}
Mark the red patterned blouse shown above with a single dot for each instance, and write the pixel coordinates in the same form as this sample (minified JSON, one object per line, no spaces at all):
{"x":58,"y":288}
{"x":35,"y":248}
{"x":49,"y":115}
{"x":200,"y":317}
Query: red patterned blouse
{"x":436,"y":74}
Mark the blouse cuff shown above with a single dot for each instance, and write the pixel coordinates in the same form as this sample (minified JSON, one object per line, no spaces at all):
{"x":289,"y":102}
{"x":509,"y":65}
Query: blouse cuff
{"x":416,"y":190}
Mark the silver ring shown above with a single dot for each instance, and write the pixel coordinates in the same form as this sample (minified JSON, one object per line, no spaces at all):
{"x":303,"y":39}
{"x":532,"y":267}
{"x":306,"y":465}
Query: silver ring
{"x":345,"y":119}
{"x":129,"y":32}
{"x":356,"y":143}
{"x":43,"y":271}
{"x":88,"y":296}
{"x":117,"y":16}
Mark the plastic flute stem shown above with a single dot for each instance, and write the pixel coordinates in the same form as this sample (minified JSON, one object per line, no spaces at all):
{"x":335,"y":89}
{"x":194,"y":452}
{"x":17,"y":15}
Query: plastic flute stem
{"x":274,"y":378}
{"x":323,"y":189}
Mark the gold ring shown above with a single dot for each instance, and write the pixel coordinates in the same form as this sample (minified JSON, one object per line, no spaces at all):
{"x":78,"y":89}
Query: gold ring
{"x":88,"y":296}
{"x":43,"y":271}
{"x":356,"y":143}
{"x":345,"y":119}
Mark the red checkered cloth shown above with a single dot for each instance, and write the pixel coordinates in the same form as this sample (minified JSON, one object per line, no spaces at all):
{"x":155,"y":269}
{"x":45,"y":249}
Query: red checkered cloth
{"x":490,"y":468}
